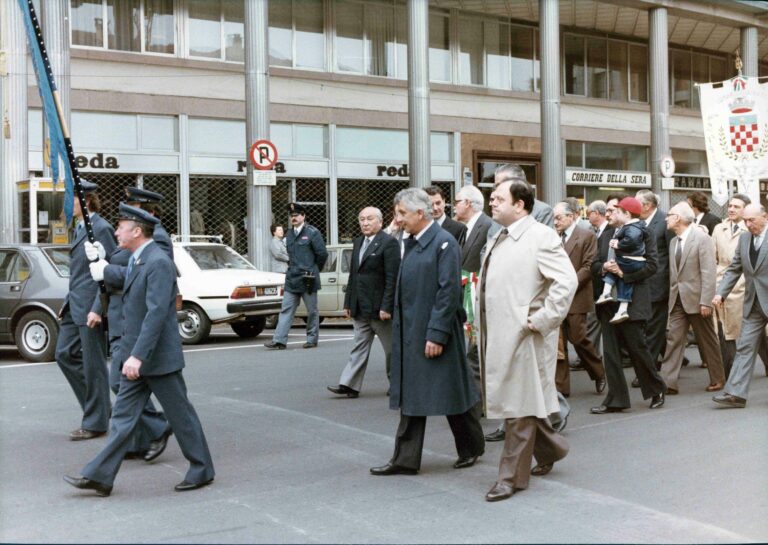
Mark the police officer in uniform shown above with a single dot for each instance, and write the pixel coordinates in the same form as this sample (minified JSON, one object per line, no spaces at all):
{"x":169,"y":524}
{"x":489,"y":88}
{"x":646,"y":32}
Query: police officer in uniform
{"x":307,"y":255}
{"x":152,"y":361}
{"x":152,"y":432}
{"x":81,"y":351}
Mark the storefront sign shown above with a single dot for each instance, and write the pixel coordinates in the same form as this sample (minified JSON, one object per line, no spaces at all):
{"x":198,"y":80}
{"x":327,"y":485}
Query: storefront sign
{"x":392,"y":171}
{"x":99,"y":161}
{"x":242,"y":166}
{"x":700,"y":183}
{"x":608,"y":178}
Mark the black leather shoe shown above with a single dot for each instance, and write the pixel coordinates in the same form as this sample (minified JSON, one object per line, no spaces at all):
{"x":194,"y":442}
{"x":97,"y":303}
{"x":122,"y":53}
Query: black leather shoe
{"x":657,"y":401}
{"x":343,"y":390}
{"x":600,"y":385}
{"x":82,"y":483}
{"x":686,"y":361}
{"x":497,"y":435}
{"x":135,"y":455}
{"x":635,"y":382}
{"x":461,"y":463}
{"x":730,"y":400}
{"x":274,"y":346}
{"x":309,"y":345}
{"x":157,"y":446}
{"x":393,"y":469}
{"x":82,"y":435}
{"x":185,"y":486}
{"x":542,"y":469}
{"x":603,"y":409}
{"x":500,"y":491}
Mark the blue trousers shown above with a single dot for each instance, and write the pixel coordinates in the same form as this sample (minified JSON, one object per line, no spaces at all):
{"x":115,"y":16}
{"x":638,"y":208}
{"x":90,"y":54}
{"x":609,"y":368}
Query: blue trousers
{"x":291,"y":302}
{"x":623,"y":289}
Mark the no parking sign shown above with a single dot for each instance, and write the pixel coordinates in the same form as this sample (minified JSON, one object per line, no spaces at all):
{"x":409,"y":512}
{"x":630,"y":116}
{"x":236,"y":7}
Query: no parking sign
{"x":263,"y":155}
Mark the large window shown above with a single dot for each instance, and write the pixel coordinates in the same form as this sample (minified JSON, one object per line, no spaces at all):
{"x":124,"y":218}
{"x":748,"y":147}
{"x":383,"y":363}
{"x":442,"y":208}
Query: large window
{"x":296,"y":37}
{"x":141,"y":26}
{"x":606,"y":156}
{"x":687,"y":68}
{"x":439,"y":47}
{"x":367,"y":39}
{"x":216,"y":30}
{"x":471,"y":51}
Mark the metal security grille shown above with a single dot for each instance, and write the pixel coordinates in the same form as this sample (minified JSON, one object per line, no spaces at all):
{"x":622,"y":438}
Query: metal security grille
{"x":714,"y":208}
{"x":168,"y":187}
{"x":219,"y":207}
{"x":312,"y":193}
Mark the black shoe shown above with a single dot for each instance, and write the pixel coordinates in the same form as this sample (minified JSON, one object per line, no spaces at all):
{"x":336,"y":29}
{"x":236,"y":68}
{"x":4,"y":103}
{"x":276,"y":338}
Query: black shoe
{"x":603,"y":409}
{"x":542,"y":469}
{"x":635,"y":382}
{"x":157,"y":446}
{"x":343,"y":391}
{"x":309,"y":345}
{"x":82,"y":483}
{"x":600,"y":385}
{"x":686,"y":361}
{"x":657,"y":401}
{"x":497,"y":435}
{"x":135,"y":455}
{"x":81,"y":434}
{"x":500,"y":491}
{"x":393,"y":469}
{"x":730,"y":400}
{"x":185,"y":485}
{"x":274,"y":346}
{"x":461,"y":463}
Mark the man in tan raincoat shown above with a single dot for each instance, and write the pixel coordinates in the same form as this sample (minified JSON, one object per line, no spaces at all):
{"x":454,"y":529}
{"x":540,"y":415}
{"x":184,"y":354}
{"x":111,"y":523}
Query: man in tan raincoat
{"x":526,"y":287}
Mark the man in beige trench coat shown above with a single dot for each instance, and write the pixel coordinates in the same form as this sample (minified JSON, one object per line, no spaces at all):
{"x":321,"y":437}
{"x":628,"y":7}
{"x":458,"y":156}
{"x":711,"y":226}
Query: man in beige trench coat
{"x":526,"y":287}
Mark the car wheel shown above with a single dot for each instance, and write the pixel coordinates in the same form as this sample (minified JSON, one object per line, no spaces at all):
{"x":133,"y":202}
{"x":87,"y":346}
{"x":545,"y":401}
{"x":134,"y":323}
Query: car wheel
{"x":271,"y":322}
{"x":36,"y":335}
{"x":196,"y":326}
{"x":319,"y":321}
{"x":249,"y":328}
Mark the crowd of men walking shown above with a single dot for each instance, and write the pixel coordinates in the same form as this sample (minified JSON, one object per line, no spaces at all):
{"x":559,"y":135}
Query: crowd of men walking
{"x":475,"y":315}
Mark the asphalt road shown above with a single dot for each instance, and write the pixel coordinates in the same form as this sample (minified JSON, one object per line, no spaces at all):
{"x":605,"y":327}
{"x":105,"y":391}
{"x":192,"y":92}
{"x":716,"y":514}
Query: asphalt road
{"x":292,"y":464}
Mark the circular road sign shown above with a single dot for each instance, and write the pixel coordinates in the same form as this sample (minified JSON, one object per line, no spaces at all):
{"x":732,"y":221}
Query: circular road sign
{"x":263,"y":155}
{"x":667,"y":166}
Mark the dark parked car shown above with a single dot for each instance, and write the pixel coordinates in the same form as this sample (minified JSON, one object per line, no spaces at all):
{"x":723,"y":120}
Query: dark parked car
{"x":34,"y":280}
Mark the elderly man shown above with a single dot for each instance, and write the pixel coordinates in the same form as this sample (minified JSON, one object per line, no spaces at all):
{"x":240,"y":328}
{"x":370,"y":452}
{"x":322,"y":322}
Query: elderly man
{"x":369,"y":298}
{"x":430,"y":375}
{"x":526,"y":287}
{"x":691,"y":290}
{"x":630,"y":334}
{"x":581,"y":247}
{"x":437,"y":199}
{"x":729,"y":314}
{"x":750,"y":261}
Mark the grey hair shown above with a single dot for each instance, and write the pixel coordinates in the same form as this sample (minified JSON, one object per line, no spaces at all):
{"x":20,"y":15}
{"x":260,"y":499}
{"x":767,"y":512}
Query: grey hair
{"x":742,"y":197}
{"x":646,"y":196}
{"x":685,"y":212}
{"x":510,"y":171}
{"x":375,"y":211}
{"x":597,"y":206}
{"x":414,"y":199}
{"x":474,"y":196}
{"x":568,"y":208}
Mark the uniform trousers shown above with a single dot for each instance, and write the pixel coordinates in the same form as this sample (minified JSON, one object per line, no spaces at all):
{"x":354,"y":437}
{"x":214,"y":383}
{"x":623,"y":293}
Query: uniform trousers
{"x":527,"y":438}
{"x":365,"y":330}
{"x":752,"y":330}
{"x":291,"y":302}
{"x":131,"y":400}
{"x":574,"y":329}
{"x":81,"y":354}
{"x":152,"y":423}
{"x":706,"y":338}
{"x":409,"y":440}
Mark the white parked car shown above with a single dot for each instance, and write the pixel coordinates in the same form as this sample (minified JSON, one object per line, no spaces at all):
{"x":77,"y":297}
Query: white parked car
{"x":218,"y":285}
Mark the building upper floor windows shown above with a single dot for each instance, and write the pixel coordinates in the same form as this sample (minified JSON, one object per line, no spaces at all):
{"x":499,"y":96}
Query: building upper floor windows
{"x":606,"y":156}
{"x":687,"y":68}
{"x":296,"y":37}
{"x":216,"y":29}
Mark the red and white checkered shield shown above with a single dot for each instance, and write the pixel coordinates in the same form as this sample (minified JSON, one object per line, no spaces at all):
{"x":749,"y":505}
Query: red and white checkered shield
{"x":744,"y":133}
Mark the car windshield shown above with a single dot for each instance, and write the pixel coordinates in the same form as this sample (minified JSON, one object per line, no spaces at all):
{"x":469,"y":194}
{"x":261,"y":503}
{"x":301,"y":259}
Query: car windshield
{"x":216,"y":257}
{"x":59,"y":257}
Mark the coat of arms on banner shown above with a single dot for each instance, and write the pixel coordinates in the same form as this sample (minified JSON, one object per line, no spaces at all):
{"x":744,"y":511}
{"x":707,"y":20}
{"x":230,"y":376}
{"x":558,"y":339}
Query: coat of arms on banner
{"x":735,"y":115}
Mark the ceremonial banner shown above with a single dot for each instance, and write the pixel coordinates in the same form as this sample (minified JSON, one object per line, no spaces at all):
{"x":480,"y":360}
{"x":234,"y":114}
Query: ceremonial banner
{"x":735,"y":116}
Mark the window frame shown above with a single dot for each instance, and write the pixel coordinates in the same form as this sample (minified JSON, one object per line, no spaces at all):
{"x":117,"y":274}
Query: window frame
{"x":222,"y":37}
{"x":327,"y":20}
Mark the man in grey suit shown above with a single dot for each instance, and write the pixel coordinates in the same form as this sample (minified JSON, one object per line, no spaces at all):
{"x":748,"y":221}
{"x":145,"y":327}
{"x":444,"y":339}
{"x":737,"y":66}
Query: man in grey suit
{"x":152,"y":361}
{"x":749,"y":260}
{"x":81,"y":350}
{"x":369,"y":298}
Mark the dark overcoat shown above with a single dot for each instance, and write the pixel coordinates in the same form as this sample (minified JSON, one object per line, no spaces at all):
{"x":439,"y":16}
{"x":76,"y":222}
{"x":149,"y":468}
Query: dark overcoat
{"x":428,"y":307}
{"x":306,"y":253}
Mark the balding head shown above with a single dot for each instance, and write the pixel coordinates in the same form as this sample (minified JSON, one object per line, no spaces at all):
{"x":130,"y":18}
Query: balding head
{"x":755,"y":218}
{"x":371,"y":220}
{"x":680,"y":217}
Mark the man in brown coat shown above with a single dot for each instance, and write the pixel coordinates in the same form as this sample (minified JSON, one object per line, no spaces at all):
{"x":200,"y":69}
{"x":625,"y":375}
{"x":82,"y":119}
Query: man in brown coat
{"x":581,"y":247}
{"x":692,"y":275}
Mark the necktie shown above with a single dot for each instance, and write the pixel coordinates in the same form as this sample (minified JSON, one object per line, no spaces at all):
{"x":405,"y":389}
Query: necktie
{"x":130,"y":266}
{"x":563,"y":236}
{"x":462,"y":238}
{"x":408,"y":244}
{"x":678,"y":252}
{"x":735,"y":228}
{"x":363,"y":248}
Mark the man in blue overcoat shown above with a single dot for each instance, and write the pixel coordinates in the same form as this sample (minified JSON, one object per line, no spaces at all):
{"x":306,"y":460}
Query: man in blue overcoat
{"x":152,"y":362}
{"x":81,"y":350}
{"x":307,"y":256}
{"x":430,"y":375}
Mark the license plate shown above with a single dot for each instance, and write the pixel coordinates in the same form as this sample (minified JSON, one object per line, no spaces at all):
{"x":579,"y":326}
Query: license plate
{"x":270,"y":291}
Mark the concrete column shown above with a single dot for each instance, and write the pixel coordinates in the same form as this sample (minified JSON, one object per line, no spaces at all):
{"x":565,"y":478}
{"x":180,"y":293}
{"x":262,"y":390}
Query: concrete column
{"x":54,"y":18}
{"x":420,"y":162}
{"x":748,"y":51}
{"x":552,"y":188}
{"x":658,"y":63}
{"x":184,"y":199}
{"x":257,"y":126}
{"x":15,"y":164}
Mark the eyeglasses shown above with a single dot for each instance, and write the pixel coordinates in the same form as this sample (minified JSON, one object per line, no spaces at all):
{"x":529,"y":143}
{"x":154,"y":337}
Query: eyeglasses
{"x":670,"y":214}
{"x":457,"y":201}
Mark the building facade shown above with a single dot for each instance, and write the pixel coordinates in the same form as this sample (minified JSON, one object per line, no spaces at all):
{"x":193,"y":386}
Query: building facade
{"x":158,"y":99}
